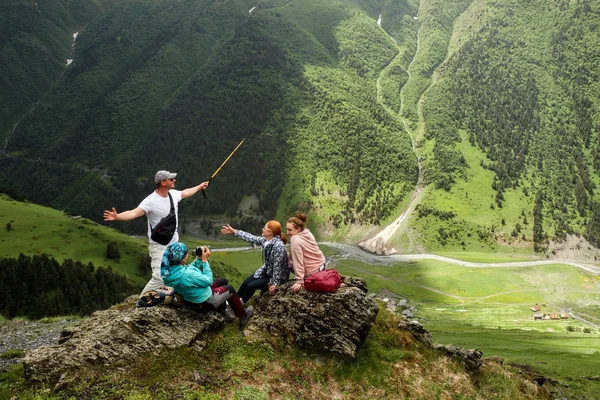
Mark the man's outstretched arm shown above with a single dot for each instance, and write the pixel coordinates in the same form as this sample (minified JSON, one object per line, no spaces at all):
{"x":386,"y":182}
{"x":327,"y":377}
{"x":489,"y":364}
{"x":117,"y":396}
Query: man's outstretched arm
{"x":113,"y":215}
{"x":193,"y":190}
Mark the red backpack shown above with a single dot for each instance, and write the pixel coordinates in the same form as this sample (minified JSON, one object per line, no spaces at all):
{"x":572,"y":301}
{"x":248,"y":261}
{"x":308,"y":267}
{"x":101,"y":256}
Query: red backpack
{"x":326,"y":281}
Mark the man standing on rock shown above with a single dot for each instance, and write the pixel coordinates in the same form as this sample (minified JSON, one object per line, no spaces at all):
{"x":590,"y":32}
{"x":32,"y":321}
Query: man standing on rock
{"x":157,"y":206}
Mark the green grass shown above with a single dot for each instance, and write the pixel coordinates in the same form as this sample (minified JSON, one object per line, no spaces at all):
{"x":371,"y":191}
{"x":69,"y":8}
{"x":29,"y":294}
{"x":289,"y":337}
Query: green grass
{"x":488,"y":309}
{"x":221,"y":242}
{"x":564,"y":356}
{"x":14,"y":353}
{"x":470,"y":199}
{"x":228,"y":367}
{"x":385,"y":279}
{"x":36,"y":229}
{"x":246,"y":262}
{"x":557,"y":282}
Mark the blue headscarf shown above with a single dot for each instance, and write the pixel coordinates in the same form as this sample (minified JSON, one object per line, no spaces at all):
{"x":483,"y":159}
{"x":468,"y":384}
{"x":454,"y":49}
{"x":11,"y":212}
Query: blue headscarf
{"x":173,"y":255}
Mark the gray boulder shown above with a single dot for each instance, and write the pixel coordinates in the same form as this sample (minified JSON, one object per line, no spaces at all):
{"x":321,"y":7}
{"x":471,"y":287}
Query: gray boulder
{"x":336,"y":323}
{"x":120,"y":333}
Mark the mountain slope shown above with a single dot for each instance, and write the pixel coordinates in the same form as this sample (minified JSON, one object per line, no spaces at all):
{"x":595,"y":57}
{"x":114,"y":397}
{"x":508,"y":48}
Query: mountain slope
{"x":35,"y":42}
{"x":518,"y":86}
{"x":501,"y":98}
{"x":159,"y":84}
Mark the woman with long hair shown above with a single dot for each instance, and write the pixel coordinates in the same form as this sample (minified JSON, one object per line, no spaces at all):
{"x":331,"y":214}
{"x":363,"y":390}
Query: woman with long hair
{"x":305,"y":254}
{"x":274,"y":270}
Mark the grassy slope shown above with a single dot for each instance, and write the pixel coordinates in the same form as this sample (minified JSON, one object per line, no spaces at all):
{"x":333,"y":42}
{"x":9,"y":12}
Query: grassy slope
{"x":340,"y":120}
{"x":36,"y":229}
{"x":435,"y":28}
{"x":488,"y":309}
{"x":296,"y":78}
{"x":471,"y":199}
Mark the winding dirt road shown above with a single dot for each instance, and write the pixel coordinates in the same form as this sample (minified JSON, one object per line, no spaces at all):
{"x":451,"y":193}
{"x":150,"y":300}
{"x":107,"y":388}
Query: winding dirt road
{"x":361,"y":255}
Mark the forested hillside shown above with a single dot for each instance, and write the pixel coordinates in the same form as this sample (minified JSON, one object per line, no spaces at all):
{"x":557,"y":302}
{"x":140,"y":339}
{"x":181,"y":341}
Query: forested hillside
{"x":522,"y":86}
{"x":35,"y":43}
{"x":177,"y":84}
{"x":501,"y":98}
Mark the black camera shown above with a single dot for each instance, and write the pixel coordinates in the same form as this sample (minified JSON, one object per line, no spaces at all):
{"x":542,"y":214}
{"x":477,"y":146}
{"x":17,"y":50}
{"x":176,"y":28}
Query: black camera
{"x":201,"y":249}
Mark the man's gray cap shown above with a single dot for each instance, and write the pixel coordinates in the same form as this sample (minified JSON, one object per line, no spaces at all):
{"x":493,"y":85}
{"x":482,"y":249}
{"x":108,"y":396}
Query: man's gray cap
{"x":163,"y":175}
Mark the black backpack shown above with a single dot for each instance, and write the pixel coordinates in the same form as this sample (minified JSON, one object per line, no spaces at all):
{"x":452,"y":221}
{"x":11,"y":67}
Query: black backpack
{"x":163,"y":231}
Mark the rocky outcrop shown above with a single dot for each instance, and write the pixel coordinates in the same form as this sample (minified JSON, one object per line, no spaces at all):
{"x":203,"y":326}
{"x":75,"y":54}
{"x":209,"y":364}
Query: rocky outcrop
{"x":377,"y":245}
{"x":119,"y":334}
{"x":418,"y":331}
{"x":19,"y":334}
{"x":470,"y":359}
{"x":336,"y":323}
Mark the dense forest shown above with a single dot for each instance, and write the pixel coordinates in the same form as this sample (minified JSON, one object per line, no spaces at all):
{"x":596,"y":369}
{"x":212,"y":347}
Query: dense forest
{"x":524,"y":90}
{"x":40,"y":286}
{"x":35,"y":43}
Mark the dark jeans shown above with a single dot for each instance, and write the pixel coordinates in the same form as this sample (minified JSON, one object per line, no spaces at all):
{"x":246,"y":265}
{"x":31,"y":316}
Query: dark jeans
{"x":251,"y":285}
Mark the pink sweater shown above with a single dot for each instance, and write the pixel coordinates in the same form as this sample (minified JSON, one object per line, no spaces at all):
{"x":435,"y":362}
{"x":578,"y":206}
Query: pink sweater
{"x":305,"y":254}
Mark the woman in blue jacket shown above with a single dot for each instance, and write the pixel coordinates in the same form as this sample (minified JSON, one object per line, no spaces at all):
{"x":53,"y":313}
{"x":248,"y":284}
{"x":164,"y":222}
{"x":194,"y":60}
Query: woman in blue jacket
{"x":193,"y":282}
{"x":274,"y":270}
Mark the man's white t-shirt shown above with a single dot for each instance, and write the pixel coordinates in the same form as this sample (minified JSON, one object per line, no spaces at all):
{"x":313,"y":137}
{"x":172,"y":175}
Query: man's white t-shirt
{"x":157,"y":207}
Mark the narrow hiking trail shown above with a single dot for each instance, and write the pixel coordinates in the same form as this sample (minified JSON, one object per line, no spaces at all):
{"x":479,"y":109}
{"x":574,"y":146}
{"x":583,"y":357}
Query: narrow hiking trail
{"x":378,"y":244}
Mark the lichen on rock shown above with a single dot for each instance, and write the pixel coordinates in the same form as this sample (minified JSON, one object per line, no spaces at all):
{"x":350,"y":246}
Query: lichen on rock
{"x":336,"y":323}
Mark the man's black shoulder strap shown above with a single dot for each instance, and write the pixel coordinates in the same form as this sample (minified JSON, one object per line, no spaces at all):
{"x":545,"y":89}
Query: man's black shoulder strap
{"x":172,"y":211}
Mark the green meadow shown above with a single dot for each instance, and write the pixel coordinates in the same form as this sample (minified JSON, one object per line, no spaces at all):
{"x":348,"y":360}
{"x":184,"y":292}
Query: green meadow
{"x":32,"y":229}
{"x":476,"y":225}
{"x":489,"y":309}
{"x":488,"y":257}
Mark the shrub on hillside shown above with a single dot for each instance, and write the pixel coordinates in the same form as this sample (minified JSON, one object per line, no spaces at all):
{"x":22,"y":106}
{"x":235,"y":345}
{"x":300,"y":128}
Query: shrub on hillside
{"x":113,"y":252}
